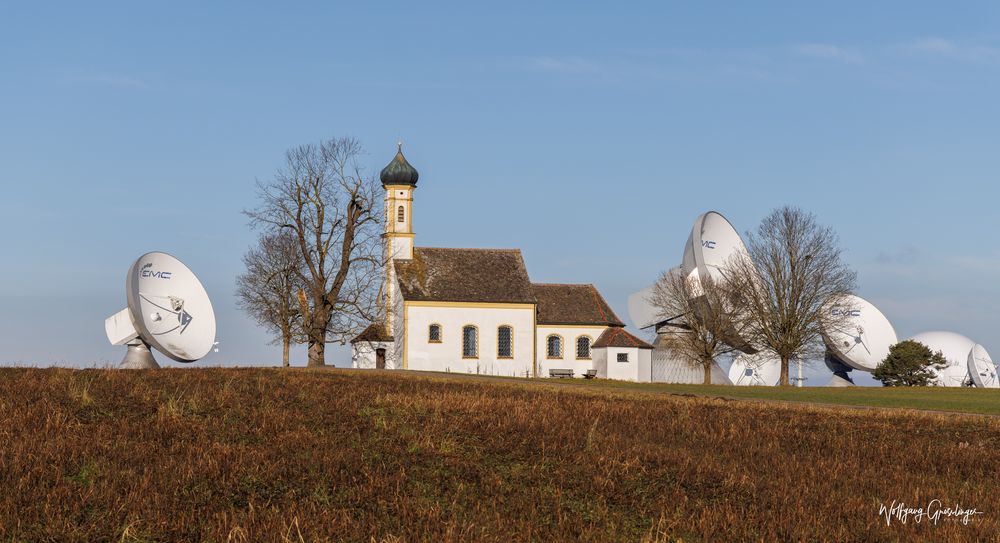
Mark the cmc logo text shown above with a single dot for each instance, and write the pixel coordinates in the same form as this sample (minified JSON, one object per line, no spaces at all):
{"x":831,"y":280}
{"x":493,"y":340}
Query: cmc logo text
{"x":708,"y":244}
{"x":148,"y":272}
{"x":838,"y":312}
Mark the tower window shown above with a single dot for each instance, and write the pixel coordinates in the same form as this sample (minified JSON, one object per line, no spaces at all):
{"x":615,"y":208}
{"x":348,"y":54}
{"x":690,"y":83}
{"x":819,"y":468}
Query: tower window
{"x":434,"y":333}
{"x":583,"y":347}
{"x":553,"y":346}
{"x":400,"y":215}
{"x":505,"y":342}
{"x":470,"y":342}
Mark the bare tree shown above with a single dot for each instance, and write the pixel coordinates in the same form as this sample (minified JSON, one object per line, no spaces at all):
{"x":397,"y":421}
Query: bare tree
{"x":785,"y":283}
{"x":268,"y":289}
{"x":322,"y":198}
{"x":702,"y":329}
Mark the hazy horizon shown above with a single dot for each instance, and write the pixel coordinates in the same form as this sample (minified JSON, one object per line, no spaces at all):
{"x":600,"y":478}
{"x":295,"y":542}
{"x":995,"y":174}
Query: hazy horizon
{"x":589,"y":137}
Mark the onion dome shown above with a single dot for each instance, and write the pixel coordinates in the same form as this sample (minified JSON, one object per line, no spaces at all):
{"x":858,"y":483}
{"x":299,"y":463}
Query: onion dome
{"x":399,"y":171}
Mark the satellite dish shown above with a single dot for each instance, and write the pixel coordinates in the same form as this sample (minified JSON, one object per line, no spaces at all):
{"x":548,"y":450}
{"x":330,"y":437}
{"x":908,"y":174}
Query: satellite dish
{"x":712,"y":244}
{"x":863,"y":336}
{"x":956,"y":349}
{"x":640,"y":310}
{"x":168,"y":309}
{"x":755,"y":370}
{"x":982,"y":369}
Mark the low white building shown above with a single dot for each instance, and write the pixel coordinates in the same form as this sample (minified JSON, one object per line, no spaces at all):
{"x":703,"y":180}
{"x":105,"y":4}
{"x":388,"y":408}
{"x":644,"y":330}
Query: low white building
{"x":622,"y":356}
{"x":476,"y":310}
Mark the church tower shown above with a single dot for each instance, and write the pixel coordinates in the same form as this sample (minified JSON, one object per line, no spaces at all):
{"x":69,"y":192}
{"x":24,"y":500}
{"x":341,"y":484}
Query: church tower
{"x":399,"y":179}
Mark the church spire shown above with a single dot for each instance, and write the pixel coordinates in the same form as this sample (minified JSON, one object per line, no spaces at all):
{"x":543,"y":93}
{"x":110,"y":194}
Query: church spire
{"x":399,"y":171}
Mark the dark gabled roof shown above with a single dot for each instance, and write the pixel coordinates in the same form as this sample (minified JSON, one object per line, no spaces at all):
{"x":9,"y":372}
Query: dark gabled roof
{"x":618,"y":337}
{"x":573,"y":304}
{"x":465,"y":275}
{"x":374,"y":333}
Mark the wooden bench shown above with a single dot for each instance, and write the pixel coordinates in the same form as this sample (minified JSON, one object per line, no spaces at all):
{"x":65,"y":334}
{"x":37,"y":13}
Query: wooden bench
{"x":561,"y":374}
{"x":590,"y":374}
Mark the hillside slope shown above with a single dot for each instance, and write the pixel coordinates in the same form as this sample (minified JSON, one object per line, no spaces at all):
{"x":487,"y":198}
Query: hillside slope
{"x":270,"y":455}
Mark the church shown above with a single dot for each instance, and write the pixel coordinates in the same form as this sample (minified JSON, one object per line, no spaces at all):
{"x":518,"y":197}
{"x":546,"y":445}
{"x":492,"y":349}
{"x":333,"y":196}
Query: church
{"x":477,"y":311}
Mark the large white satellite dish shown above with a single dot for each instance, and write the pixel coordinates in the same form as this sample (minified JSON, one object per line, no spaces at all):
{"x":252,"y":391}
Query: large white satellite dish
{"x":168,"y":309}
{"x":982,"y":369}
{"x":755,"y":370}
{"x":640,"y":310}
{"x":956,"y":349}
{"x":712,"y":243}
{"x":710,"y":247}
{"x":863,"y":335}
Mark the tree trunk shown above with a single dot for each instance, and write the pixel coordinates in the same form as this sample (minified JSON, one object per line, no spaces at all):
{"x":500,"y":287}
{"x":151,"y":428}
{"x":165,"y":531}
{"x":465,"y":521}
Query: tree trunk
{"x":708,"y":372}
{"x":317,"y":351}
{"x":784,"y":371}
{"x":284,"y":350}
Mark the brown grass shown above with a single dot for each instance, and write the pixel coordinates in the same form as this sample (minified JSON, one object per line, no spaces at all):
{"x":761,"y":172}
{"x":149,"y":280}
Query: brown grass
{"x":271,"y":455}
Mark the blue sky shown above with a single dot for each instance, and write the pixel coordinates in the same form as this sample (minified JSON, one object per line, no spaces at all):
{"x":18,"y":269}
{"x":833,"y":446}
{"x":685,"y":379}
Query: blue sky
{"x":589,"y":135}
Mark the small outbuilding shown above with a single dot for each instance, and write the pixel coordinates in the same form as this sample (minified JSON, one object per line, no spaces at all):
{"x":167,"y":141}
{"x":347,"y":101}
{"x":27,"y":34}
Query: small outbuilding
{"x":622,"y":356}
{"x":372,"y":348}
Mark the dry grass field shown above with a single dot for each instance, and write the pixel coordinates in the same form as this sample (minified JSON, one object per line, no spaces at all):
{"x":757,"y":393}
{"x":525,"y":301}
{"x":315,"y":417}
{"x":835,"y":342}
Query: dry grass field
{"x":271,"y":455}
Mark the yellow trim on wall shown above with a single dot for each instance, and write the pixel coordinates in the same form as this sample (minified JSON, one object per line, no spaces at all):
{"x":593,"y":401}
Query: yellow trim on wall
{"x":406,"y":339}
{"x":534,"y":344}
{"x":461,"y":345}
{"x":398,"y":234}
{"x":480,"y":305}
{"x":602,"y":326}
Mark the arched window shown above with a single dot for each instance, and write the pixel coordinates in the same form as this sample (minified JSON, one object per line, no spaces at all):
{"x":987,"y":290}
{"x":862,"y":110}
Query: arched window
{"x":470,"y":342}
{"x":553,"y":346}
{"x":505,"y":342}
{"x":400,"y":215}
{"x":583,"y":347}
{"x":434,"y":333}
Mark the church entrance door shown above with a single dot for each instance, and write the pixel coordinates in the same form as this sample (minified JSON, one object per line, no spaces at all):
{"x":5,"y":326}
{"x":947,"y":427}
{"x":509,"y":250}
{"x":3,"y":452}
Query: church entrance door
{"x":380,"y":359}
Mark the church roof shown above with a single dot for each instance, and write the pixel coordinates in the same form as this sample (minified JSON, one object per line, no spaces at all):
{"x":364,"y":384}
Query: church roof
{"x":573,"y":304}
{"x":465,"y":275}
{"x":399,"y":171}
{"x":618,"y":337}
{"x":374,"y":333}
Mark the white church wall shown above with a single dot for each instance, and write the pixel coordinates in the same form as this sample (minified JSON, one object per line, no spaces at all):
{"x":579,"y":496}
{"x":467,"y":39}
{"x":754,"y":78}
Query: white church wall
{"x":568,"y":360}
{"x":452,"y":317}
{"x":402,"y":247}
{"x":636,"y":368}
{"x":601,"y":362}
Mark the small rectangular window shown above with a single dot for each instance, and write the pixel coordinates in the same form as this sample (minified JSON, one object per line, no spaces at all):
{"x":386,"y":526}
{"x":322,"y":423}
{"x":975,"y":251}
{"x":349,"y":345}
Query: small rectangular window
{"x":434,"y":333}
{"x":623,"y":357}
